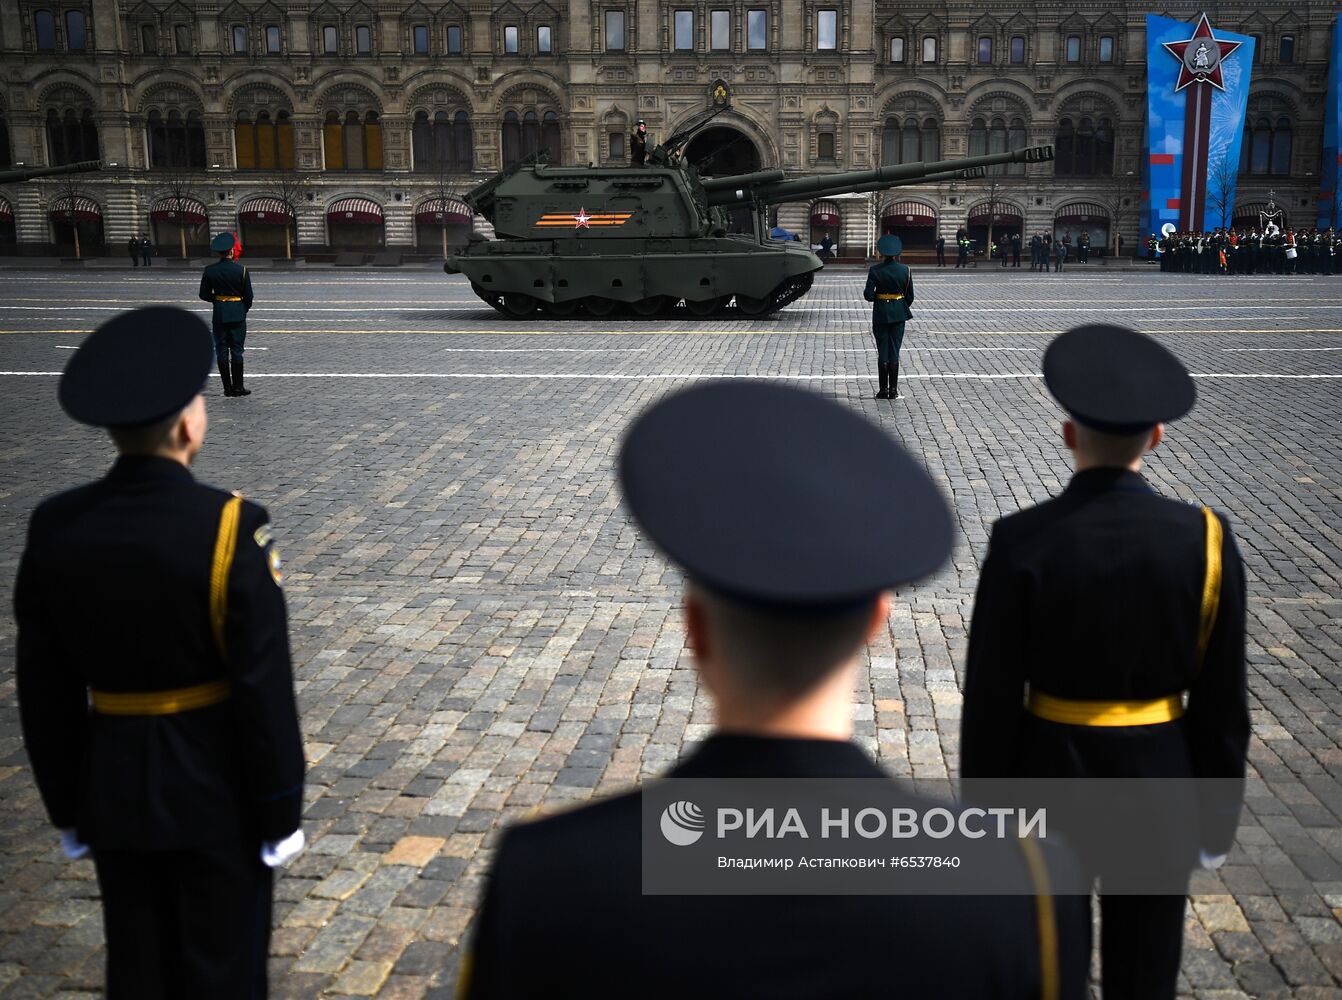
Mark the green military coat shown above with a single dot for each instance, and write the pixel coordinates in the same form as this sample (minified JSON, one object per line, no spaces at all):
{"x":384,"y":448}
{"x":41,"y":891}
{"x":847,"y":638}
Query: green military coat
{"x":889,"y":278}
{"x":228,"y":286}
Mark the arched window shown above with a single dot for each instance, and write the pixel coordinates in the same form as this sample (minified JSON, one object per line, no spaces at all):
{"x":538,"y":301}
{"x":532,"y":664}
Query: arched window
{"x":531,"y":133}
{"x":550,"y":135}
{"x":997,"y":143}
{"x":931,"y":141}
{"x":512,"y":138}
{"x":263,"y":142}
{"x":891,"y":144}
{"x":1268,"y":138}
{"x":71,"y":137}
{"x":76,"y":31}
{"x":1085,"y":147}
{"x":909,"y":141}
{"x":528,"y":133}
{"x":44,"y":26}
{"x":443,"y":142}
{"x":177,"y":141}
{"x":1104,"y":147}
{"x":1064,"y":144}
{"x":911,"y":146}
{"x":1281,"y":148}
{"x":353,"y":142}
{"x":463,"y":149}
{"x":1016,"y":140}
{"x":978,"y":137}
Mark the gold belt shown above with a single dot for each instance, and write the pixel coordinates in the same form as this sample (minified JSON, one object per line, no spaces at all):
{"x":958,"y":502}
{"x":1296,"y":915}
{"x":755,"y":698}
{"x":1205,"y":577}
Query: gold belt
{"x":883,"y":297}
{"x":161,"y":702}
{"x":228,"y":298}
{"x":1105,"y":713}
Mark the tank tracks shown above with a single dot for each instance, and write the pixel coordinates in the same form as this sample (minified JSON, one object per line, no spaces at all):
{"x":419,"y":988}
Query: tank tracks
{"x":517,"y":305}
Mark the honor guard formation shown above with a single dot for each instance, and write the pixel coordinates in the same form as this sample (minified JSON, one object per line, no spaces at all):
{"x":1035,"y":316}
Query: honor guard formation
{"x":1107,"y":642}
{"x":1249,"y":251}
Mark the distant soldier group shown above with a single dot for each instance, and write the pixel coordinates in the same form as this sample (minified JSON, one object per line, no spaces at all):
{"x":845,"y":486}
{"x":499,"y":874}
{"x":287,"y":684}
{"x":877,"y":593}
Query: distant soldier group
{"x":1249,"y":251}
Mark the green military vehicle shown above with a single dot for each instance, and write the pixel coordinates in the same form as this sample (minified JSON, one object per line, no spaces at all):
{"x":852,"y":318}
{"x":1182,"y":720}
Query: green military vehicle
{"x":654,"y":239}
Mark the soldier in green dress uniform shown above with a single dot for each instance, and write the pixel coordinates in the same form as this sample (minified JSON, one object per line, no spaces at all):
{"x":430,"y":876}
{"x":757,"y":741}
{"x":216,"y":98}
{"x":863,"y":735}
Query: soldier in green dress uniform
{"x":228,"y":286}
{"x":890,"y":291}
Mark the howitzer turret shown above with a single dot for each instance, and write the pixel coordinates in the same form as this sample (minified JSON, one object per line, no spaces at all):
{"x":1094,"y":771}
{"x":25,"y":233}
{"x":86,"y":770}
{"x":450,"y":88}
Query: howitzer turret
{"x":656,"y":237}
{"x":31,"y":173}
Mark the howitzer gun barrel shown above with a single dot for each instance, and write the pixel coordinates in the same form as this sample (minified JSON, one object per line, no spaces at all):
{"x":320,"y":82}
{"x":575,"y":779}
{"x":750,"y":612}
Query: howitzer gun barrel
{"x":964,"y":174}
{"x":742,"y":180}
{"x":29,"y":173}
{"x":773,"y":192}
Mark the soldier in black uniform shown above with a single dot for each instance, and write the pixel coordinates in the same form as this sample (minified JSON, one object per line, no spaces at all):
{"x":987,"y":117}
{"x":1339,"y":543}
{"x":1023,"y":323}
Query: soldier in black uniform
{"x":1121,"y":613}
{"x":638,"y":144}
{"x":787,"y":584}
{"x":227,"y":285}
{"x":154,"y":682}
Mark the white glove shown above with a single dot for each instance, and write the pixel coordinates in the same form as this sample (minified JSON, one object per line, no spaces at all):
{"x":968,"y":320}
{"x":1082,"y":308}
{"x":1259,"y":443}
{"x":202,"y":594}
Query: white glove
{"x":72,"y":846}
{"x":1211,"y":862}
{"x":277,"y":852}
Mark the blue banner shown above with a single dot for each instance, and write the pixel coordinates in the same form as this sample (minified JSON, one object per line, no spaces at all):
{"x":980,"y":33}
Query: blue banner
{"x":1330,"y":176}
{"x":1197,"y":92}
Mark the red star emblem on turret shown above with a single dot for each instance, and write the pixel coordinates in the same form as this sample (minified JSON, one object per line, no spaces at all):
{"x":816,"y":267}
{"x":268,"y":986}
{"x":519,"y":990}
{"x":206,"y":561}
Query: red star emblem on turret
{"x":1200,"y":56}
{"x":582,"y":219}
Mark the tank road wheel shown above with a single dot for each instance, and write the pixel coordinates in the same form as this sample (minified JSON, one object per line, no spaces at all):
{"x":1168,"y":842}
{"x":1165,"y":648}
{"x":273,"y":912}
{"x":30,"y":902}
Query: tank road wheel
{"x":650,"y":306}
{"x":751,"y":306}
{"x":563,"y":310}
{"x":597,"y":306}
{"x":518,"y":304}
{"x":703,"y":307}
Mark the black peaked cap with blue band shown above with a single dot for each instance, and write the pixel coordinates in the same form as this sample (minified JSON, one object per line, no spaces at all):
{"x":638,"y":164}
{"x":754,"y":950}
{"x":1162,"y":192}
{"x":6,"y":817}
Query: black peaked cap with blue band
{"x":777,"y":496}
{"x":1117,"y":380}
{"x":138,"y":367}
{"x":223,"y":243}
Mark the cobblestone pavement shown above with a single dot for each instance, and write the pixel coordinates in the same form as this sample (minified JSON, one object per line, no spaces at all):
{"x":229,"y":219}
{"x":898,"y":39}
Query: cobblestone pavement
{"x":478,"y":630}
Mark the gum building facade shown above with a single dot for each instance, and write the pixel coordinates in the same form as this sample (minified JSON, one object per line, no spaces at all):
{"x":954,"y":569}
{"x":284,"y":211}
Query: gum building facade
{"x":329,"y":125}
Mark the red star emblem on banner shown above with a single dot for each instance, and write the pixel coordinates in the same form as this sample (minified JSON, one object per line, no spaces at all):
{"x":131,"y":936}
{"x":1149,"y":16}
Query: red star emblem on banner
{"x":1200,"y":56}
{"x":582,"y":219}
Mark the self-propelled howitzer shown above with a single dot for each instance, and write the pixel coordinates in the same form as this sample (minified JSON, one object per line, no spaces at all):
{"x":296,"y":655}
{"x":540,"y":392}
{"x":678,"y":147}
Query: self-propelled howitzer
{"x":656,"y":237}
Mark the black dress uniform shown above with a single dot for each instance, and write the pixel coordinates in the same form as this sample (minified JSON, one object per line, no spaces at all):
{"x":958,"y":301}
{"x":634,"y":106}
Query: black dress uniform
{"x":154,"y":682}
{"x":564,"y":913}
{"x":638,"y":144}
{"x":227,"y":285}
{"x":1107,"y":641}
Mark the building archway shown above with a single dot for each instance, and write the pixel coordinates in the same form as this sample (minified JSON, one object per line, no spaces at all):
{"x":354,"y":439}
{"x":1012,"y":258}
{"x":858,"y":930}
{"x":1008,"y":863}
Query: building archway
{"x":724,"y":151}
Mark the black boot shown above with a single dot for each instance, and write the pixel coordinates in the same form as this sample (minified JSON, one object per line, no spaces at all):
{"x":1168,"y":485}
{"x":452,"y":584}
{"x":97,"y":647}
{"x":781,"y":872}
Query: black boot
{"x":225,"y":376}
{"x":238,"y":388}
{"x":885,"y":382}
{"x":894,"y":381}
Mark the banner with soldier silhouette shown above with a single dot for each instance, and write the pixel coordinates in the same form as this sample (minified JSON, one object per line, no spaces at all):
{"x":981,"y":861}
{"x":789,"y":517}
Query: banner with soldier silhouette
{"x":1197,"y":94}
{"x":1330,"y":176}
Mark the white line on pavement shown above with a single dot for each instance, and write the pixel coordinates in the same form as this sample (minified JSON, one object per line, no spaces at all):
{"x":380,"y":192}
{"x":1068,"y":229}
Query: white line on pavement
{"x":1255,"y":350}
{"x":543,"y":350}
{"x":687,"y":376}
{"x":924,"y":350}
